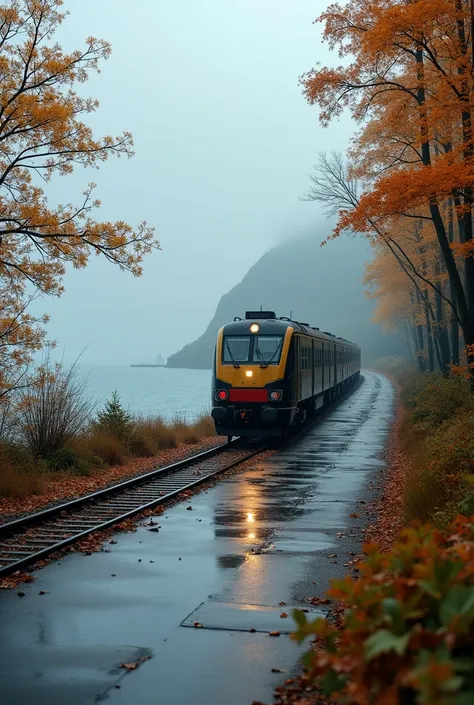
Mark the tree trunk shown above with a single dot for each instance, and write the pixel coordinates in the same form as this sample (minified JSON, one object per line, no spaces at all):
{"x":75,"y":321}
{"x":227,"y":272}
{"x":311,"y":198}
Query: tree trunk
{"x":429,"y":338}
{"x":454,"y":325}
{"x":461,"y":298}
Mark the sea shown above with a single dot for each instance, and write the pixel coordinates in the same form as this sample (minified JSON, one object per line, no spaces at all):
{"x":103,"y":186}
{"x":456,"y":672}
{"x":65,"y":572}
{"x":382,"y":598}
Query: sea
{"x":151,"y":391}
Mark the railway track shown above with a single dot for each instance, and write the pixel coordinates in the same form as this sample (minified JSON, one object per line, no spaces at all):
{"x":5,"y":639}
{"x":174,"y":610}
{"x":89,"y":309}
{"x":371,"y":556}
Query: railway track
{"x":31,"y":538}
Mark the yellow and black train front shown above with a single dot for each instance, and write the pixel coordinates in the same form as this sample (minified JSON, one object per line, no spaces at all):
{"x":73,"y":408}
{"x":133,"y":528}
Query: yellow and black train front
{"x":252,"y":394}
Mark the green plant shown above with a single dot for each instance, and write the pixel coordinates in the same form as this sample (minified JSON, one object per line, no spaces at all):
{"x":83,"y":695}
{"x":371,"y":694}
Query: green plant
{"x":63,"y":459}
{"x":435,"y":399}
{"x":114,"y":420}
{"x":407,"y":635}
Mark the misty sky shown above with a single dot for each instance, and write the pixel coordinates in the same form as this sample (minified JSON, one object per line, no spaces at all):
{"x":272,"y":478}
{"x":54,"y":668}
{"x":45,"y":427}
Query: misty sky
{"x":224,"y":141}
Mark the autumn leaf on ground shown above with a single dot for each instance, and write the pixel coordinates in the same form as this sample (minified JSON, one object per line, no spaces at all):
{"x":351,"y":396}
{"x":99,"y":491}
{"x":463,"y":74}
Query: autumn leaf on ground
{"x":132,"y":665}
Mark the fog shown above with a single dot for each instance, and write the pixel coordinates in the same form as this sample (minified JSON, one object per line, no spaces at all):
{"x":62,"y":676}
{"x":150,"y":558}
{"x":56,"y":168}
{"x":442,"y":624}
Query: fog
{"x":224,"y":143}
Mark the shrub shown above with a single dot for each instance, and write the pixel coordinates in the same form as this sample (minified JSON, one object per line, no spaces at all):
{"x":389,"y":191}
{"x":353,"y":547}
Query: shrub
{"x":109,"y":449}
{"x":407,"y":635}
{"x":141,"y":445}
{"x":438,"y":436}
{"x":435,"y":399}
{"x":53,"y":409}
{"x":63,"y":459}
{"x":156,"y":433}
{"x":20,"y":476}
{"x":114,"y":420}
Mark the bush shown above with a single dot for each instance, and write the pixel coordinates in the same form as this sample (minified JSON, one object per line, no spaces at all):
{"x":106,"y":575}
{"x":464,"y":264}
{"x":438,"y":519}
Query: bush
{"x":155,"y":434}
{"x":20,"y":476}
{"x":109,"y":449}
{"x":53,"y":409}
{"x":408,"y":633}
{"x":63,"y":459}
{"x":435,"y":399}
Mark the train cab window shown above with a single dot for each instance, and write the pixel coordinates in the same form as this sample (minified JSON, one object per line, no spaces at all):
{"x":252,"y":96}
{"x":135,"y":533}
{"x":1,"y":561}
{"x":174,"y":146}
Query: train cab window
{"x":267,"y":349}
{"x":236,"y":349}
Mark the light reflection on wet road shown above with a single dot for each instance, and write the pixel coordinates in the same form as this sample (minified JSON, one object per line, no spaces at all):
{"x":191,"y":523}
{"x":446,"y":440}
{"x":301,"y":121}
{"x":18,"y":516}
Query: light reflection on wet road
{"x":256,"y":539}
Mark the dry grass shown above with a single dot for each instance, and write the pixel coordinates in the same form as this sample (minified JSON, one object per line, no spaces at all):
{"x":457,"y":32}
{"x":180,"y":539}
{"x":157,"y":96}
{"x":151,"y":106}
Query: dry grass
{"x":87,"y":453}
{"x":153,"y":434}
{"x":109,"y":449}
{"x":17,"y":480}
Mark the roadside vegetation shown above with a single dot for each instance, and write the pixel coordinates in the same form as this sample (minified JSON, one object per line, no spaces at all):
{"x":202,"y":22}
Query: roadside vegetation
{"x":406,"y":629}
{"x":51,"y":430}
{"x":402,"y":629}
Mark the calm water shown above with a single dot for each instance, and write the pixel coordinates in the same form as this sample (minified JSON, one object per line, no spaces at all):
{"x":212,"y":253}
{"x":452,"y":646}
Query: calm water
{"x":153,"y":391}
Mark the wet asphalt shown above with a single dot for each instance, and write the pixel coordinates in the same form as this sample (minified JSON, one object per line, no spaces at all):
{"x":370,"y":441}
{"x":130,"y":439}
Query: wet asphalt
{"x":278,"y":532}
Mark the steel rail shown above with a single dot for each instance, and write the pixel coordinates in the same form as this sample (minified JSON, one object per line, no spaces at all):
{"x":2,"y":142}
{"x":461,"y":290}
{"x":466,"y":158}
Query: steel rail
{"x":31,"y":538}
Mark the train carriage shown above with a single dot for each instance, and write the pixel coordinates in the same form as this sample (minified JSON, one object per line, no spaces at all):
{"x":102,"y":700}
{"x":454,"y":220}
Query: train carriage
{"x":272,"y":373}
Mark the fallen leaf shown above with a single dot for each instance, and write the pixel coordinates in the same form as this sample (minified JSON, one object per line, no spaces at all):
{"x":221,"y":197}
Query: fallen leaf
{"x":129,"y":666}
{"x":189,"y":509}
{"x":198,"y":625}
{"x":283,"y":615}
{"x":132,"y":665}
{"x":274,"y":634}
{"x":281,"y":604}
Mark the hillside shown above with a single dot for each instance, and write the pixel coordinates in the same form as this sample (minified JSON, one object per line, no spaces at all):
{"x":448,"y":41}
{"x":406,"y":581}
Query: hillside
{"x":320,"y":285}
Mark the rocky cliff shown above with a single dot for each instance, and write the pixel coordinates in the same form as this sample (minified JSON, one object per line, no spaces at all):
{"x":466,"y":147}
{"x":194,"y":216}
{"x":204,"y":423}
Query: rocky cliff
{"x":319,"y":285}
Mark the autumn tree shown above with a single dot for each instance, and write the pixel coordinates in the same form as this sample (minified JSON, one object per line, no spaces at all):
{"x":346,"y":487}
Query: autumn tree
{"x":408,"y":80}
{"x":409,"y":256}
{"x":43,"y":133}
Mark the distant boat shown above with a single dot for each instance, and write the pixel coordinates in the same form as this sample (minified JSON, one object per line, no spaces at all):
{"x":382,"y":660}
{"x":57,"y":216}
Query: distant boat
{"x":160,"y":362}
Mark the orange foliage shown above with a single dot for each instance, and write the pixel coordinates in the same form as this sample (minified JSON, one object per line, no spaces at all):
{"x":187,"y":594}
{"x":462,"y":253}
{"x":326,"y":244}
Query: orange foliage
{"x":42,"y":133}
{"x":408,"y":80}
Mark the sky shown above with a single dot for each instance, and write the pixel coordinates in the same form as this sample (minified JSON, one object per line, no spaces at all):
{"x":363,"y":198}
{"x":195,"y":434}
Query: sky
{"x":224,"y":143}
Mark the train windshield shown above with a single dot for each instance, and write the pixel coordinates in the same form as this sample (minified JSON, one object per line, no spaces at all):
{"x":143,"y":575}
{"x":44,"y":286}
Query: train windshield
{"x":267,"y":349}
{"x":236,"y":349}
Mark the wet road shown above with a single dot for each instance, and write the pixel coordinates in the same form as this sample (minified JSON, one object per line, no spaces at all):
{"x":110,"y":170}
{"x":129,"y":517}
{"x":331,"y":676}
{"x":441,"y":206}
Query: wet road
{"x":258,"y":538}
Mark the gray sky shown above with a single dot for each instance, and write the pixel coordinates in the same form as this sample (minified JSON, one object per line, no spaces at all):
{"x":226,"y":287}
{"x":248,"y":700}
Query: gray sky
{"x":224,"y":142}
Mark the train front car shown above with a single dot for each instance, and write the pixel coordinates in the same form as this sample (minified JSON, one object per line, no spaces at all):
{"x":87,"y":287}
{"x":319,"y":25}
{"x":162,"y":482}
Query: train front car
{"x":252,"y":393}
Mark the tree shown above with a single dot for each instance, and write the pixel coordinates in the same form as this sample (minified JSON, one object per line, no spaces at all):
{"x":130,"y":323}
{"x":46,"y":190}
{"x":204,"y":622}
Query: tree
{"x":42,"y":134}
{"x":114,"y":420}
{"x":406,"y":253}
{"x":410,"y":83}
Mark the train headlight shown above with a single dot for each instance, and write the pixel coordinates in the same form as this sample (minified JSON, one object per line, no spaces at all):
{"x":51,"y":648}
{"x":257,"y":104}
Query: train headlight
{"x":222,"y":394}
{"x":254,"y":328}
{"x":275,"y":395}
{"x":249,"y":373}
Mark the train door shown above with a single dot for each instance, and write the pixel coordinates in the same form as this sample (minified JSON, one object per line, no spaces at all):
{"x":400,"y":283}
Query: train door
{"x":323,"y":366}
{"x":313,"y":353}
{"x":298,"y":371}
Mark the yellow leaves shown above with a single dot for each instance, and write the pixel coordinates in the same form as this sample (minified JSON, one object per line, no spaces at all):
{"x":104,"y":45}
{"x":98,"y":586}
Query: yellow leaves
{"x":463,"y":249}
{"x":42,"y":132}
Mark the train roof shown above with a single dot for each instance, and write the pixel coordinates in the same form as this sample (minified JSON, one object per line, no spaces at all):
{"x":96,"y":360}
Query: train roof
{"x":271,"y":325}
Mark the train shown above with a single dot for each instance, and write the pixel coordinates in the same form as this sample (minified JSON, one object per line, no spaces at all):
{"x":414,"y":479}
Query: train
{"x":272,"y":374}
